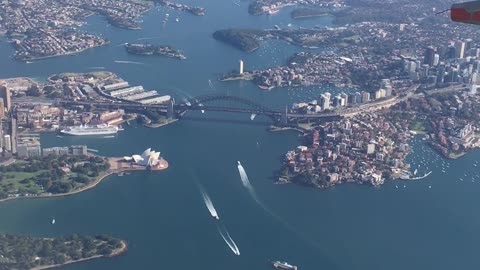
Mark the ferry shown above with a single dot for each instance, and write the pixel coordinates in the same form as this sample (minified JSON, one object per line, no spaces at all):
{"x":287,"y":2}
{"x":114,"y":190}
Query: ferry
{"x":283,"y":265}
{"x":85,"y":130}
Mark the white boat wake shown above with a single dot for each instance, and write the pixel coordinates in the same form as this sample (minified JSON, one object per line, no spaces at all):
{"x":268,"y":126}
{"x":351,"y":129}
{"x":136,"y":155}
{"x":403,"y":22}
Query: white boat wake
{"x":147,"y":38}
{"x":252,"y":116}
{"x":209,"y":204}
{"x":251,"y":190}
{"x":421,"y":177}
{"x":228,"y":240}
{"x":211,"y":85}
{"x":128,"y":62}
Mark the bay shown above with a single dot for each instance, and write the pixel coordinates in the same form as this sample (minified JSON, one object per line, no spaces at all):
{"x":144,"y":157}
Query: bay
{"x":162,"y":214}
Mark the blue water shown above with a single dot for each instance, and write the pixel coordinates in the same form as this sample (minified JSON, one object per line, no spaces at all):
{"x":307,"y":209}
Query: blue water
{"x":162,"y":215}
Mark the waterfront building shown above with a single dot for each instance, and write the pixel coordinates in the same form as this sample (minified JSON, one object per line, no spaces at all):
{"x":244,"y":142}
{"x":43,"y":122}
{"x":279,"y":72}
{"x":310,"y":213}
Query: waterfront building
{"x":365,"y":96}
{"x":380,"y":93}
{"x":56,"y":151}
{"x":29,"y":149}
{"x":115,"y":86}
{"x":352,"y":98}
{"x":6,"y":96}
{"x":358,"y":97}
{"x":112,"y":118}
{"x":148,"y":158}
{"x":325,"y":101}
{"x":78,"y":150}
{"x":155,"y":100}
{"x":241,"y":67}
{"x":344,"y":99}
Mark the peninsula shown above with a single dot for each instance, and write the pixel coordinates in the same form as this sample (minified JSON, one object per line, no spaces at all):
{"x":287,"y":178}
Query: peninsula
{"x":303,"y":13}
{"x":31,"y":253}
{"x":248,"y":40}
{"x":198,"y":11}
{"x":150,"y":49}
{"x":49,"y":28}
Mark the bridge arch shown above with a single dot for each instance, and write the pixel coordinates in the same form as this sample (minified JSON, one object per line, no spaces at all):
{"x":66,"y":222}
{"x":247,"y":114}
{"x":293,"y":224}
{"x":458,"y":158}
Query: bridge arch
{"x":228,"y":103}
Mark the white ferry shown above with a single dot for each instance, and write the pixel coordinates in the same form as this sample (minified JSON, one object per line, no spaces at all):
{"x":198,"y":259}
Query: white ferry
{"x":85,"y":130}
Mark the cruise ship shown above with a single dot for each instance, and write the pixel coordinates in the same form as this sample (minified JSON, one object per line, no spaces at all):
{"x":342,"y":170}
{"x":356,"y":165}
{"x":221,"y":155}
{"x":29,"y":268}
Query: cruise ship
{"x":85,"y":130}
{"x":283,"y":265}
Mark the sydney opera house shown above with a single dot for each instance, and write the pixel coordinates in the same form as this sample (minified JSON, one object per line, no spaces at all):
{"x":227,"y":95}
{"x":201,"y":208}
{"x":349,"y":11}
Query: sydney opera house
{"x":148,"y":158}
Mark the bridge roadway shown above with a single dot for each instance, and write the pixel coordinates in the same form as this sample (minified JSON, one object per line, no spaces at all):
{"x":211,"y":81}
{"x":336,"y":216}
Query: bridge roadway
{"x":254,"y":107}
{"x":185,"y":107}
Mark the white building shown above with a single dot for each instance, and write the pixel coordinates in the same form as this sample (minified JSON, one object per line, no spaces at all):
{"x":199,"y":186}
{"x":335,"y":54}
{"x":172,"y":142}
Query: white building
{"x":148,"y":158}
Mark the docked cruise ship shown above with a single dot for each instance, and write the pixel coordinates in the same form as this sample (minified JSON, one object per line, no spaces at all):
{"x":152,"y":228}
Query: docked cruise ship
{"x":85,"y":130}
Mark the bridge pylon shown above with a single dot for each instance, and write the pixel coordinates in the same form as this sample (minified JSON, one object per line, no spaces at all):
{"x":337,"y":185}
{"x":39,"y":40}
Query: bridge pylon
{"x":170,"y":109}
{"x":284,"y":117}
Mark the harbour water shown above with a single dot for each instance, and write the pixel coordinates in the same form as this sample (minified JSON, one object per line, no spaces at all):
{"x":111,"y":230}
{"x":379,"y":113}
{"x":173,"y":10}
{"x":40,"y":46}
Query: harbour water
{"x":401,"y":225}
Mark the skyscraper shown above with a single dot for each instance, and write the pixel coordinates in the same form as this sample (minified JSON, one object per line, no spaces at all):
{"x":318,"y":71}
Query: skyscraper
{"x":460,"y":49}
{"x":436,"y":59}
{"x":429,"y":56}
{"x":365,"y":96}
{"x":241,"y":67}
{"x":451,"y":52}
{"x":325,"y":101}
{"x":2,"y":109}
{"x":7,"y":142}
{"x":5,"y":95}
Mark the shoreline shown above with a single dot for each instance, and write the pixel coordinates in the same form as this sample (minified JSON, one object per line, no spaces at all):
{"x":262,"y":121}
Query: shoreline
{"x":114,"y":253}
{"x":59,"y":55}
{"x":98,"y":180}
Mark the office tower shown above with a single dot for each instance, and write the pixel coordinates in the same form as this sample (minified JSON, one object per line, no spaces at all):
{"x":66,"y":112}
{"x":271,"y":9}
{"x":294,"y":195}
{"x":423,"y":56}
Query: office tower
{"x":241,"y":67}
{"x":7,"y":142}
{"x":5,"y":95}
{"x":2,"y":109}
{"x":325,"y":101}
{"x":429,"y":56}
{"x":365,"y":96}
{"x":459,"y":49}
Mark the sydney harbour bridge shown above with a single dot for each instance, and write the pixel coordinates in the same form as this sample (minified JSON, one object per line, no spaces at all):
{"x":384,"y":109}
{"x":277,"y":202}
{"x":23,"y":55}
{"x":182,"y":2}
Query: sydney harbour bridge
{"x":212,"y":103}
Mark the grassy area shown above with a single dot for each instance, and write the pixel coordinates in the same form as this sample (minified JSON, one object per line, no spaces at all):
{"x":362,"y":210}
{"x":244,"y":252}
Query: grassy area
{"x":419,"y":127}
{"x":352,"y":38}
{"x":143,"y":2}
{"x":456,"y":155}
{"x":18,"y":181}
{"x":56,"y":175}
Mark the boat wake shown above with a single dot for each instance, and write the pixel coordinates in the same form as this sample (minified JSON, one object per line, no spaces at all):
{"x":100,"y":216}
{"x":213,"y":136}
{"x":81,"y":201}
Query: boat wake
{"x":147,"y":38}
{"x":209,"y":204}
{"x":251,"y":190}
{"x":228,"y":239}
{"x":252,"y":116}
{"x":421,"y":177}
{"x":211,"y":85}
{"x":128,"y":62}
{"x":96,"y":67}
